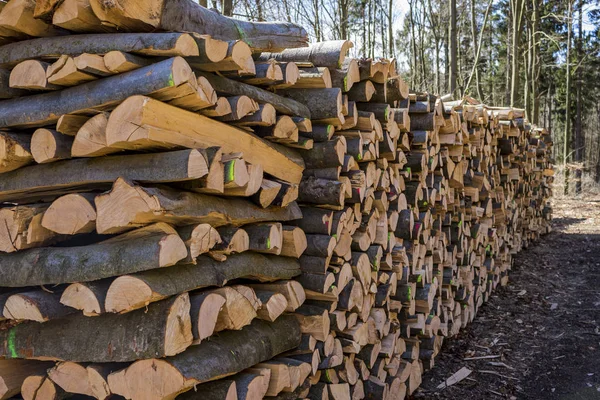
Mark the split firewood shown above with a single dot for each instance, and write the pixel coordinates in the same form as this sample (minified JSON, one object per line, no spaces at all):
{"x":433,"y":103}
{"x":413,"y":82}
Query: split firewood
{"x":76,"y":16}
{"x":71,"y":377}
{"x":89,"y":297}
{"x":15,"y":151}
{"x":64,"y":72}
{"x":118,"y":62}
{"x":39,"y":305}
{"x":90,"y":139}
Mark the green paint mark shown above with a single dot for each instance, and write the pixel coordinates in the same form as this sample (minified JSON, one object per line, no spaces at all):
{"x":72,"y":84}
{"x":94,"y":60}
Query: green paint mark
{"x":489,"y":247}
{"x":334,"y":235}
{"x":460,"y":223}
{"x":12,"y":351}
{"x":359,"y":157}
{"x":408,"y":169}
{"x":346,"y":83}
{"x":171,"y":81}
{"x":420,"y":278}
{"x":424,"y":203}
{"x":230,"y":173}
{"x":409,"y":293}
{"x":268,"y":243}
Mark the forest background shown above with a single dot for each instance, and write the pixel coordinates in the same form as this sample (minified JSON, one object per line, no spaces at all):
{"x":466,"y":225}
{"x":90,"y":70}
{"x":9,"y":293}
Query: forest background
{"x":540,"y":55}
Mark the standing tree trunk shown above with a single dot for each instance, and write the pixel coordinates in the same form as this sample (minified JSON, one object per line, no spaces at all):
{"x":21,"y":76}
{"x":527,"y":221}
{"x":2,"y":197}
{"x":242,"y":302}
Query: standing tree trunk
{"x":391,"y":28}
{"x":579,"y":142}
{"x":453,"y":46}
{"x":227,"y":7}
{"x":567,"y":136}
{"x":518,"y":8}
{"x":475,"y":52}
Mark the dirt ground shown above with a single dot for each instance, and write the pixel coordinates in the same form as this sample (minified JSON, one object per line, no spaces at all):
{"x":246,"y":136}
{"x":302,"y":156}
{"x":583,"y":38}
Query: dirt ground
{"x":543,"y":328}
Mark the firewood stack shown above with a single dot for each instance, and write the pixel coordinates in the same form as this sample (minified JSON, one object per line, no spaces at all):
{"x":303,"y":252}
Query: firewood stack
{"x":199,"y":207}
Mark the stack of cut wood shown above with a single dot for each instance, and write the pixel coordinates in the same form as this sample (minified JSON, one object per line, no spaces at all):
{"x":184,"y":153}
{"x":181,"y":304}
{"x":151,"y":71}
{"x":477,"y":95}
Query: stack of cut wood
{"x":227,"y":214}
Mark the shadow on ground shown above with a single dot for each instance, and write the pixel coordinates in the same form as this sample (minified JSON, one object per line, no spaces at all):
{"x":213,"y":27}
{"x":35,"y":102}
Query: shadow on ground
{"x":544,"y":326}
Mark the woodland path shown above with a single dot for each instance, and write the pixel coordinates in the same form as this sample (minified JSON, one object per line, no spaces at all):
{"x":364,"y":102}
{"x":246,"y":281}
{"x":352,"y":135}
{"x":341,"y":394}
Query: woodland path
{"x":545,"y":325}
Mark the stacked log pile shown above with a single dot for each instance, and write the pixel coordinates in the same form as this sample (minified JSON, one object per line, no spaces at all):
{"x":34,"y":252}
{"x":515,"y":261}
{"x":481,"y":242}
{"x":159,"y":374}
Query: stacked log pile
{"x":194,"y":206}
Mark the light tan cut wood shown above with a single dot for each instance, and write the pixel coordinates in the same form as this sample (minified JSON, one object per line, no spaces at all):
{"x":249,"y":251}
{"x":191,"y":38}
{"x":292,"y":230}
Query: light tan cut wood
{"x":133,"y":125}
{"x":292,"y":290}
{"x":241,"y":106}
{"x":255,"y":178}
{"x":205,"y":310}
{"x":199,"y":239}
{"x":234,"y":240}
{"x":14,"y":372}
{"x":64,"y":72}
{"x":238,"y":58}
{"x":21,"y":228}
{"x":48,"y":145}
{"x":98,"y":375}
{"x":69,"y":124}
{"x":294,"y":241}
{"x":90,"y":140}
{"x":71,"y":214}
{"x":237,"y":311}
{"x":31,"y":384}
{"x":31,"y":75}
{"x":78,"y":16}
{"x":219,"y":109}
{"x":267,"y":193}
{"x":272,"y":305}
{"x":15,"y":151}
{"x":17,"y":17}
{"x":92,"y":64}
{"x":120,"y":61}
{"x":87,"y":296}
{"x":280,"y":377}
{"x":71,"y":377}
{"x":313,"y":78}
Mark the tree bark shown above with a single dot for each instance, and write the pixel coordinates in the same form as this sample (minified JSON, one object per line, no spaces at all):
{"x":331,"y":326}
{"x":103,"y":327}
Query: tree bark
{"x":225,"y":355}
{"x":188,"y":16}
{"x":152,"y":247}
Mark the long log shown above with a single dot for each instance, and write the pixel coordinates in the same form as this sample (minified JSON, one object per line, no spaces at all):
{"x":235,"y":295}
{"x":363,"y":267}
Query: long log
{"x":144,"y":123}
{"x":98,"y":173}
{"x":151,"y":44}
{"x":235,"y":88}
{"x":139,"y":206}
{"x":161,"y":79}
{"x":226,"y":354}
{"x":164,"y":329}
{"x":328,"y":54}
{"x":133,"y":291}
{"x":155,"y":246}
{"x":188,"y":16}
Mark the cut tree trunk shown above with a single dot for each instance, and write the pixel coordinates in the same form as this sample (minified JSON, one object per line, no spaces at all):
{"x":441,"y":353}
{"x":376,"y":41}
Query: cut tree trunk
{"x":161,"y":80}
{"x":151,"y":44}
{"x":90,"y":140}
{"x":188,"y":16}
{"x":31,"y":75}
{"x":89,"y":297}
{"x":15,"y":151}
{"x":36,"y":305}
{"x":155,"y":246}
{"x":164,"y":329}
{"x":205,"y":310}
{"x":142,"y":123}
{"x":75,"y":175}
{"x":226,"y":354}
{"x":141,"y":206}
{"x":130,"y":292}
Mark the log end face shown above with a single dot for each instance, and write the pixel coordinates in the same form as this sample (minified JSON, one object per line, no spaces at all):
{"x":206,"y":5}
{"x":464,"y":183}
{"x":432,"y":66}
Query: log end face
{"x":172,"y":249}
{"x":128,"y":293}
{"x":178,"y":335}
{"x":207,"y":316}
{"x":80,"y":211}
{"x":124,"y":124}
{"x":124,"y":207}
{"x":80,"y":297}
{"x":149,"y":379}
{"x":19,"y":307}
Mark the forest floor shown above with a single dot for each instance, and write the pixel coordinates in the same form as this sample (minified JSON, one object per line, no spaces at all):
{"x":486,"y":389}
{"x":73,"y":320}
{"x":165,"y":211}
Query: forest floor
{"x":543,"y":328}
